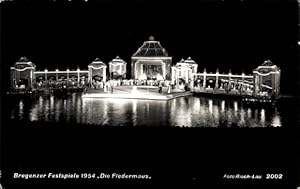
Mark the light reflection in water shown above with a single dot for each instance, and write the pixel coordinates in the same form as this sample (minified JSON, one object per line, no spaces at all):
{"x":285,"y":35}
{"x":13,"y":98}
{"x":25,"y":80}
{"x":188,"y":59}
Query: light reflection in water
{"x":46,"y":110}
{"x":276,"y":120}
{"x":57,"y":109}
{"x":235,"y":105}
{"x":223,"y":106}
{"x":134,"y":113}
{"x":21,"y":109}
{"x":185,"y":111}
{"x":210,"y":104}
{"x":242,"y":120}
{"x":249,"y":112}
{"x":262,"y":117}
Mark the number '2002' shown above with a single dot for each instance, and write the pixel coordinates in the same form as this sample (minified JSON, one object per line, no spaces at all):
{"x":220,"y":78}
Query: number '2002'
{"x":274,"y":176}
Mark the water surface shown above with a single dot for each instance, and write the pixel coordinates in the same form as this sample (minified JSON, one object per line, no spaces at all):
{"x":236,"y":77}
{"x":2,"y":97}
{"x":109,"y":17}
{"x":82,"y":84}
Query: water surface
{"x":184,"y":111}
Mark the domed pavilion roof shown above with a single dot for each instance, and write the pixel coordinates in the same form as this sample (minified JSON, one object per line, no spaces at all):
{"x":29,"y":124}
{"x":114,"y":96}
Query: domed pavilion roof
{"x":267,"y":67}
{"x":189,"y":62}
{"x":151,"y":48}
{"x":117,"y":60}
{"x":23,"y":62}
{"x":97,"y":63}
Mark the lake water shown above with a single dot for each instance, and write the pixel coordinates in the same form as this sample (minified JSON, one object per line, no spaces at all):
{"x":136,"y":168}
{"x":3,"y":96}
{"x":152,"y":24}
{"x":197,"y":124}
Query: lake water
{"x":184,"y":111}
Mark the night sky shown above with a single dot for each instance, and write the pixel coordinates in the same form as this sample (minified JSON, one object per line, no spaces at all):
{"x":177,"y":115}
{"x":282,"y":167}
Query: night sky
{"x":236,"y":35}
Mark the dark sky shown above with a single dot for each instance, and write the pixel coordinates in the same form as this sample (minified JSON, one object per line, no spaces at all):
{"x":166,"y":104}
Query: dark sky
{"x":226,"y":35}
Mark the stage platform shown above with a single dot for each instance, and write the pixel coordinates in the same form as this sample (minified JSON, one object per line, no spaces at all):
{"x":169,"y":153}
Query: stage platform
{"x":141,"y":92}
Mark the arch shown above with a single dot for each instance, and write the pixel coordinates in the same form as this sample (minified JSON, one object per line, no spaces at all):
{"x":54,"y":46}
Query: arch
{"x":73,"y":77}
{"x":40,"y":78}
{"x":181,"y":81}
{"x":51,"y":78}
{"x":210,"y":82}
{"x":62,"y":77}
{"x":22,"y":83}
{"x":116,"y":75}
{"x":97,"y":78}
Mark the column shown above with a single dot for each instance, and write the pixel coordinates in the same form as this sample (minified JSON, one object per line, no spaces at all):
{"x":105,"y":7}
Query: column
{"x":110,"y":70}
{"x":104,"y":73}
{"x":135,"y":70}
{"x":142,"y":70}
{"x":217,"y":79}
{"x":78,"y":76}
{"x":68,"y":74}
{"x":177,"y":78}
{"x":273,"y":83}
{"x":172,"y":76}
{"x":31,"y":75}
{"x":204,"y":78}
{"x":124,"y":69}
{"x":187,"y":75}
{"x":90,"y":75}
{"x":234,"y":84}
{"x":13,"y":77}
{"x":229,"y":79}
{"x":56,"y":75}
{"x":243,"y":79}
{"x":255,"y":87}
{"x":163,"y":65}
{"x":46,"y":79}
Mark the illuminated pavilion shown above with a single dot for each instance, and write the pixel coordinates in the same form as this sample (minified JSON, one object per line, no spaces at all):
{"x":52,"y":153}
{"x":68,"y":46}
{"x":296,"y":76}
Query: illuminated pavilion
{"x":117,"y":68}
{"x":151,"y":61}
{"x":97,"y":70}
{"x":184,"y":70}
{"x":267,"y":79}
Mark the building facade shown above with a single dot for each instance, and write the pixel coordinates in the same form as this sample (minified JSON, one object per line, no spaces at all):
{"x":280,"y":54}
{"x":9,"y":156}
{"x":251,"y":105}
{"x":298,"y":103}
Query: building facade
{"x":151,"y":62}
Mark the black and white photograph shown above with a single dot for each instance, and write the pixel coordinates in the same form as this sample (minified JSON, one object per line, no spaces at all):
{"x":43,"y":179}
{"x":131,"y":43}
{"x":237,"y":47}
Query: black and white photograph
{"x":149,"y":94}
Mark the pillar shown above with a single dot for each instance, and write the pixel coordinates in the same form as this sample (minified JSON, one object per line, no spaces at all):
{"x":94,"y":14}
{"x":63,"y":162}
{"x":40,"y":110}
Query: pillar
{"x":13,"y":77}
{"x":90,"y":75}
{"x":31,"y":77}
{"x":46,"y":79}
{"x":142,"y":71}
{"x":68,"y":74}
{"x":135,"y":71}
{"x":243,"y":78}
{"x":104,"y":73}
{"x":177,"y":78}
{"x":204,"y":78}
{"x":56,"y":75}
{"x":229,"y":79}
{"x":78,"y":76}
{"x":217,"y":79}
{"x":172,"y":74}
{"x":163,"y":65}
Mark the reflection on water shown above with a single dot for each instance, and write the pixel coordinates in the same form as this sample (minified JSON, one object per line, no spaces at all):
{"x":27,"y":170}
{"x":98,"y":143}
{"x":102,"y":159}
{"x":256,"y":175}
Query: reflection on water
{"x":184,"y":111}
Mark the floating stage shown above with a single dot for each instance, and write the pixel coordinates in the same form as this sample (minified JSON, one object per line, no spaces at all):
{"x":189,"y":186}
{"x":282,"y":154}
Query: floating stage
{"x":138,"y":92}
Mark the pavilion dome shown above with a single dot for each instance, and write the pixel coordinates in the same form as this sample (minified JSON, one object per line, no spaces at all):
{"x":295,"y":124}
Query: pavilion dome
{"x":23,"y":59}
{"x":23,"y":62}
{"x":117,"y":60}
{"x":268,"y":63}
{"x":151,"y":48}
{"x":189,"y":60}
{"x":97,"y":63}
{"x":266,"y":67}
{"x":186,"y":63}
